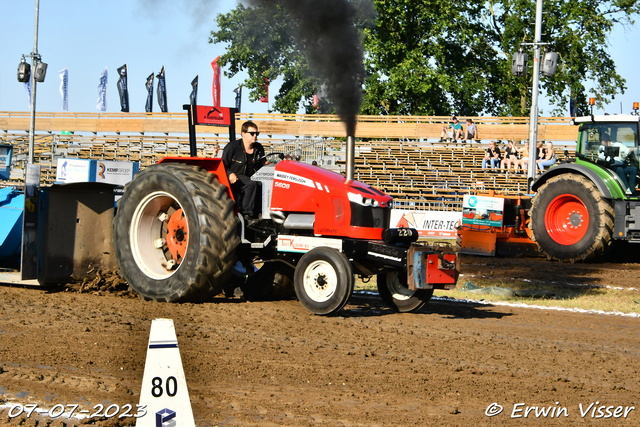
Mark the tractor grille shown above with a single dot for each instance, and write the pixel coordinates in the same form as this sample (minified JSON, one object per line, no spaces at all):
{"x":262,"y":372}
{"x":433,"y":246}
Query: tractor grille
{"x":368,"y":216}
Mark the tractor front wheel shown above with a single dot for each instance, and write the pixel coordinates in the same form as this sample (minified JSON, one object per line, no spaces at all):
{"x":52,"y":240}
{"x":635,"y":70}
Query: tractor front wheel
{"x":570,"y":219}
{"x":323,"y":281}
{"x":395,"y":293}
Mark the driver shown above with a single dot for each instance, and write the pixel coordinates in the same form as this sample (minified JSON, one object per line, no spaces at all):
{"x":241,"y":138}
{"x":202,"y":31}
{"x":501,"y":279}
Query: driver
{"x":242,"y":158}
{"x":620,"y":164}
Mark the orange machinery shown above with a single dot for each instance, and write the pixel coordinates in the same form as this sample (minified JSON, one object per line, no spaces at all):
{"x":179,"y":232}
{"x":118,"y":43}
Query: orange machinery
{"x":511,"y":238}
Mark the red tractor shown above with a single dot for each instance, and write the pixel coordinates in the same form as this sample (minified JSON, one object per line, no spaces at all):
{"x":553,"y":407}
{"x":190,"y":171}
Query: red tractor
{"x":178,"y":237}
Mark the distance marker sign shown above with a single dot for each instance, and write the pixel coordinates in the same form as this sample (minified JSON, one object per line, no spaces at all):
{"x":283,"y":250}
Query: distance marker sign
{"x":164,"y":386}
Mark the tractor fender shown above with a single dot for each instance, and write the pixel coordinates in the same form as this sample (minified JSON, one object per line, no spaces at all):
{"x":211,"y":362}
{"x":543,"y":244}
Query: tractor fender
{"x":573,"y":168}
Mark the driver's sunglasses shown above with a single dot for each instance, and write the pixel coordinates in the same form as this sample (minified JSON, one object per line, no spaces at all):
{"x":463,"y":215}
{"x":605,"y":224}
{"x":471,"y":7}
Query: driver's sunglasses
{"x":253,"y":133}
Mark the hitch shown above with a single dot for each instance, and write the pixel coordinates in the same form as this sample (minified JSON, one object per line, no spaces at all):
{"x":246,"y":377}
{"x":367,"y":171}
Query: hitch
{"x":426,"y":268}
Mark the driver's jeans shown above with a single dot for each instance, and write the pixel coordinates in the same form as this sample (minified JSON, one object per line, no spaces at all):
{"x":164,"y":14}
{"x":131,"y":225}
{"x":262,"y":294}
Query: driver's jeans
{"x":623,"y":170}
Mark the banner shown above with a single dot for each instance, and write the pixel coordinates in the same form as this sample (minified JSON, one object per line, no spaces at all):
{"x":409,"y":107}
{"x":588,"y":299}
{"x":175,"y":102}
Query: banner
{"x":101,"y":105}
{"x":123,"y":90}
{"x":238,"y":92}
{"x":162,"y":91}
{"x":193,"y":98}
{"x":265,"y":87}
{"x":64,"y":81}
{"x":216,"y":82}
{"x":481,"y":210}
{"x":428,"y":223}
{"x":149,"y":86}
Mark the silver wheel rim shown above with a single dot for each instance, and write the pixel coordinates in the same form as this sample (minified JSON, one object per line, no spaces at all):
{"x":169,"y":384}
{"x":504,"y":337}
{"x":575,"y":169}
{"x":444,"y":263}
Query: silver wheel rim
{"x":320,"y":281}
{"x":148,"y":229}
{"x":399,"y":291}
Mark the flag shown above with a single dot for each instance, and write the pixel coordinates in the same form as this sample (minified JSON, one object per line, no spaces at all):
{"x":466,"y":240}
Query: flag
{"x":216,"y":82}
{"x":27,"y":87}
{"x":193,"y":98}
{"x":149,"y":85}
{"x":123,"y":90}
{"x":162,"y":91}
{"x":265,"y":87}
{"x":64,"y":81}
{"x":573,"y":107}
{"x":101,"y":105}
{"x":238,"y":92}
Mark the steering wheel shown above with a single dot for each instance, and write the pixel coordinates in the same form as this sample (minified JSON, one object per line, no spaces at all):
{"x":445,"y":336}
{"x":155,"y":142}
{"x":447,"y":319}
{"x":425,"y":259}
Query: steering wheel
{"x":273,"y":153}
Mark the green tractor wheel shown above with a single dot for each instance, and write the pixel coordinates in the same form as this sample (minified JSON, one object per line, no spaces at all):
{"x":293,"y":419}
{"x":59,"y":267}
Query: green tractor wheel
{"x":570,"y":219}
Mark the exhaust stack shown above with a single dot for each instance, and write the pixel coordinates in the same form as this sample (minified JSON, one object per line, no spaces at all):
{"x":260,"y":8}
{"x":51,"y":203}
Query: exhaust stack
{"x":350,"y":160}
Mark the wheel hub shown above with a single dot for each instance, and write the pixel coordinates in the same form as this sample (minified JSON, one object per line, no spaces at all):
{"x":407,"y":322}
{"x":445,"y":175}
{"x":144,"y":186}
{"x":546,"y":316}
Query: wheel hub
{"x":575,"y":219}
{"x":177,"y":236}
{"x":320,"y":281}
{"x":566,"y":219}
{"x":159,"y":235}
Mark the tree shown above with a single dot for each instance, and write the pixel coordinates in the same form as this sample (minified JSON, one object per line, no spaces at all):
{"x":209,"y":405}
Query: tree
{"x":434,"y":56}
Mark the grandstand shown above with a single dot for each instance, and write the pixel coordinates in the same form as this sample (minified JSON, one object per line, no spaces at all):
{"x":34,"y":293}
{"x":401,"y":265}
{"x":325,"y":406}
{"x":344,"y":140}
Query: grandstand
{"x":399,"y":155}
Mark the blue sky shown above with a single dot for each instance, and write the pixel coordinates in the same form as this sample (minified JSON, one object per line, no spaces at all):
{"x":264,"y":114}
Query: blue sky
{"x":88,"y":35}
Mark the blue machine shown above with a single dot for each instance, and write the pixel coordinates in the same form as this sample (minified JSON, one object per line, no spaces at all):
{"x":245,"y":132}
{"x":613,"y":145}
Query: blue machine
{"x":11,"y":207}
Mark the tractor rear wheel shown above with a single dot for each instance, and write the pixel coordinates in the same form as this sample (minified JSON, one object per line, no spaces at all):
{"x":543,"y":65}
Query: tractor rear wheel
{"x":175,"y":233}
{"x":570,"y":219}
{"x":271,"y":283}
{"x":323,"y":281}
{"x":395,"y":293}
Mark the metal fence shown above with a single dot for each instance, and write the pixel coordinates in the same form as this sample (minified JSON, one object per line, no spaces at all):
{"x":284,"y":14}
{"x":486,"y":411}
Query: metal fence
{"x":308,"y":149}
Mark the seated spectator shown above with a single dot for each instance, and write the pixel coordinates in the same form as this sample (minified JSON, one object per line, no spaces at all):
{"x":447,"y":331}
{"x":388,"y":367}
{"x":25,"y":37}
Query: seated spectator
{"x":510,"y":157}
{"x":491,"y":155}
{"x":471,"y":132}
{"x":524,"y":161}
{"x":547,"y":158}
{"x":453,"y":131}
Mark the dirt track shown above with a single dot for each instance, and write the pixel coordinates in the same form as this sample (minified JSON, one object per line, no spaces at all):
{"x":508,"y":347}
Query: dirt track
{"x":273,"y":363}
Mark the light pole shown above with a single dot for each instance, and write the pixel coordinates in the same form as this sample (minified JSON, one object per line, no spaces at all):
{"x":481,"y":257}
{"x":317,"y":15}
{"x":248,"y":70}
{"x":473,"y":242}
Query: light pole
{"x":35,"y":59}
{"x":29,"y":263}
{"x":533,"y":116}
{"x":519,"y":68}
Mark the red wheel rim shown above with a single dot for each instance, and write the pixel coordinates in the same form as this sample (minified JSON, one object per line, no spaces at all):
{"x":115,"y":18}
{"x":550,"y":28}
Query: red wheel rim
{"x":177,"y":236}
{"x":566,"y":219}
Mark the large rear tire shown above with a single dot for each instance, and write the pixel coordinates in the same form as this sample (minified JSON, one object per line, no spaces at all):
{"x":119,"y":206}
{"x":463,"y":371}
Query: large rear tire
{"x":395,"y":293}
{"x":323,"y":281}
{"x":570,"y":219}
{"x":175,"y":233}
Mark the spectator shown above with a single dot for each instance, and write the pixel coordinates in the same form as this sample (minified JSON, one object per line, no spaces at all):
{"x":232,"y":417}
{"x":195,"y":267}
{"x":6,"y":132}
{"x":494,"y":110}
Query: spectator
{"x":216,"y":150}
{"x":491,"y":156}
{"x":471,"y":132}
{"x":549,"y":157}
{"x":524,"y":161}
{"x":314,"y":163}
{"x":454,"y":131}
{"x":510,"y":157}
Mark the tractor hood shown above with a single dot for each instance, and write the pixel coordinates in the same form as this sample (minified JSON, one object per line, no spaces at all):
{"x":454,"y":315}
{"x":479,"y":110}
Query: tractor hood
{"x":341,"y":208}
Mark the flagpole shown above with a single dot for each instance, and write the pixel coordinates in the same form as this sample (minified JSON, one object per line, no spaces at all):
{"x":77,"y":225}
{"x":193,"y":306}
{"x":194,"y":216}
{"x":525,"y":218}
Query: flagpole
{"x":34,"y":58}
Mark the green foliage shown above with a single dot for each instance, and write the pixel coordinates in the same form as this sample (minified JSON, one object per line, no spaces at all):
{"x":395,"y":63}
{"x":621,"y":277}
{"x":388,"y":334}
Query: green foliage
{"x":434,"y":56}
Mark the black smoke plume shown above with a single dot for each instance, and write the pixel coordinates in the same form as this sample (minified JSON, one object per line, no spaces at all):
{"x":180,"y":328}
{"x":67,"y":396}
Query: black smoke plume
{"x":328,"y":35}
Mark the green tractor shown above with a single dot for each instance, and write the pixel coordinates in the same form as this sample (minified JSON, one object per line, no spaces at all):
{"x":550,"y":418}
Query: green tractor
{"x":582,"y":205}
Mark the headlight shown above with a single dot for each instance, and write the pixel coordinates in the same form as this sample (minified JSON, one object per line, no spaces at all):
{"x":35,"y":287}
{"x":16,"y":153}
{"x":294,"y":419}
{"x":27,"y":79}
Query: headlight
{"x":363,"y":201}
